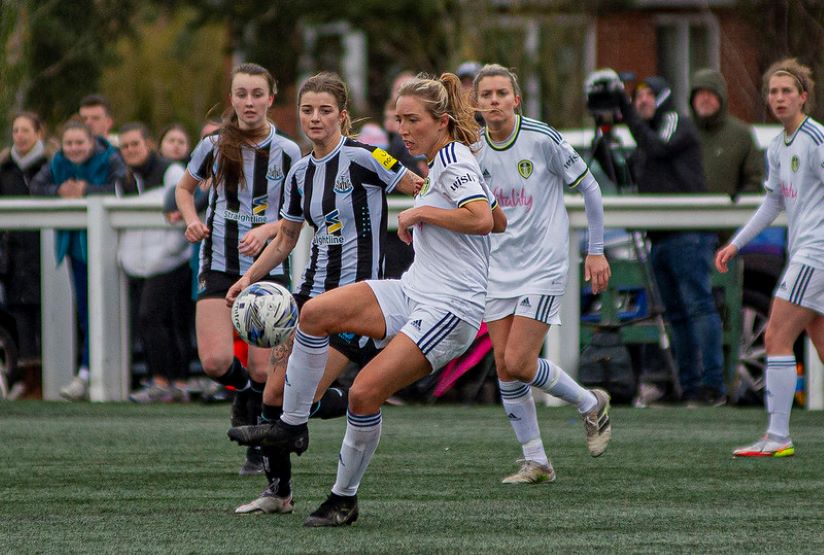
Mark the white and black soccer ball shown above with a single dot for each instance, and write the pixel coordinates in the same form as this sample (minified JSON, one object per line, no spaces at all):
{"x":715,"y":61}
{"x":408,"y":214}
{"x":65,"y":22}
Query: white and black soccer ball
{"x":265,"y":314}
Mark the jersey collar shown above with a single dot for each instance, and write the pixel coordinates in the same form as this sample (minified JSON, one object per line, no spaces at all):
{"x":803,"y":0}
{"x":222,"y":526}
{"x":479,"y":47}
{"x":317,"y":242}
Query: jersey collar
{"x":509,"y":141}
{"x":789,"y":140}
{"x":268,"y":138}
{"x":331,"y":154}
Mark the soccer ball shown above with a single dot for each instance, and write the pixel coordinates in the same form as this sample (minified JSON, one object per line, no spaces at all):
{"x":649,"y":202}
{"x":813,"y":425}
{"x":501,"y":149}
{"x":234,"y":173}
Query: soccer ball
{"x":265,"y":314}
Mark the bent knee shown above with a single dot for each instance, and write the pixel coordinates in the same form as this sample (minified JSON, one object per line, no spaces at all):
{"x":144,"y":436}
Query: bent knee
{"x":364,"y":399}
{"x":520,"y":365}
{"x":214,"y":365}
{"x":313,"y":319}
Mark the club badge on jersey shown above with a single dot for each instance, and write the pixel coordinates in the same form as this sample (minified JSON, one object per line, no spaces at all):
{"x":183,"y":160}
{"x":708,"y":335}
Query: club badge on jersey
{"x":427,"y":184}
{"x":343,"y":185}
{"x":525,"y":168}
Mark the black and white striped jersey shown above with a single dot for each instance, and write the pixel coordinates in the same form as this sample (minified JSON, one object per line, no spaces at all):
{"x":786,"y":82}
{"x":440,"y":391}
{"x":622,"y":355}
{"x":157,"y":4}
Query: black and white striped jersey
{"x":343,"y":197}
{"x":256,"y":201}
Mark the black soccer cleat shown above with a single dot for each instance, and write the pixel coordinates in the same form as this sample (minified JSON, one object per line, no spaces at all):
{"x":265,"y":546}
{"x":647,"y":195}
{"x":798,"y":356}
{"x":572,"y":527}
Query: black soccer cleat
{"x":294,"y":439}
{"x":337,"y":510}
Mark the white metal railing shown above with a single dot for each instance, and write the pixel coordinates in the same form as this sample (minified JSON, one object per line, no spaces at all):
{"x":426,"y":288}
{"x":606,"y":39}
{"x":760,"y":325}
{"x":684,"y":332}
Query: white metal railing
{"x":103,"y":217}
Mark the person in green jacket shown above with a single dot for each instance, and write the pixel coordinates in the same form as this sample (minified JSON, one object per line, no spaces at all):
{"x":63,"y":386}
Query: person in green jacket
{"x":732,"y":162}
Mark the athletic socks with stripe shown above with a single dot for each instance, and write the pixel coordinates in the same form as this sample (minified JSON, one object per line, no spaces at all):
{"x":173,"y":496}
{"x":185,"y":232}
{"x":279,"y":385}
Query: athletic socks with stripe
{"x":552,"y":379}
{"x":303,"y":374}
{"x":781,"y":381}
{"x":363,"y":433}
{"x":519,"y":406}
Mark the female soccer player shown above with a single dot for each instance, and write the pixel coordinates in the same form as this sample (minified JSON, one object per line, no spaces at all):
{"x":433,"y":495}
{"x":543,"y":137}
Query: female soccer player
{"x":795,"y":183}
{"x":246,"y":162}
{"x":340,"y":190}
{"x":428,"y":317}
{"x":528,"y":165}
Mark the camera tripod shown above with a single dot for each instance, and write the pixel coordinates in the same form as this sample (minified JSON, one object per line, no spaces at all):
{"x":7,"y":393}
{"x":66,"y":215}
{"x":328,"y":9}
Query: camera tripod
{"x":606,"y":149}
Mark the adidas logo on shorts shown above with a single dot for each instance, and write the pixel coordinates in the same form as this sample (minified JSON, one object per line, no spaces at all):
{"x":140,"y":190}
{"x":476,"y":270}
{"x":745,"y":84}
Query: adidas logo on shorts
{"x":416,"y":324}
{"x":525,"y":303}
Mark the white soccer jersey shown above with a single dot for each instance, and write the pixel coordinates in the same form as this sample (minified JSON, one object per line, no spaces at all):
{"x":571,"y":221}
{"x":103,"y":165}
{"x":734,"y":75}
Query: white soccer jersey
{"x":343,"y":197}
{"x":528,"y":174}
{"x":796,"y":169}
{"x":231,"y":214}
{"x":450,"y":268}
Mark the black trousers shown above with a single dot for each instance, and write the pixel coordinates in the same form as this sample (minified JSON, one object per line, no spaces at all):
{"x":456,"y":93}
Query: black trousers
{"x":165,"y":310}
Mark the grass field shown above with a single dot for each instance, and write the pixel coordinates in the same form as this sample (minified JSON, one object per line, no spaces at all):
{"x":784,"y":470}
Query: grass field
{"x":118,"y":478}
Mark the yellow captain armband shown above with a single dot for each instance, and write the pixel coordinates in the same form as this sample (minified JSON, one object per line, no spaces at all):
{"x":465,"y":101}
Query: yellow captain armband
{"x":384,"y":158}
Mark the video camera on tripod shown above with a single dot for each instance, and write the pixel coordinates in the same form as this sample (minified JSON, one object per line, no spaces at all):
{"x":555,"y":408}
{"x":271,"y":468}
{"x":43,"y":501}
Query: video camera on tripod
{"x":604,"y":89}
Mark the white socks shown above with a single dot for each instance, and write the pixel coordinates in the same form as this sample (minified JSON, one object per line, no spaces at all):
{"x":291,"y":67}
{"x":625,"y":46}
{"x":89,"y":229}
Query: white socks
{"x":519,"y":406}
{"x":363,"y":433}
{"x":550,"y":378}
{"x":303,"y":374}
{"x":781,"y":380}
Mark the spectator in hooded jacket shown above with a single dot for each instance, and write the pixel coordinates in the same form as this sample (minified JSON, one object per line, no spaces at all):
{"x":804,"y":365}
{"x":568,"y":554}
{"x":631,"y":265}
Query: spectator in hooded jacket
{"x":732,"y":163}
{"x":668,"y":160}
{"x":82,"y":167}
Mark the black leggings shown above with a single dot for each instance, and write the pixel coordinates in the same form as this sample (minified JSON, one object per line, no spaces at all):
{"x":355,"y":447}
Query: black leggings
{"x":164,"y":322}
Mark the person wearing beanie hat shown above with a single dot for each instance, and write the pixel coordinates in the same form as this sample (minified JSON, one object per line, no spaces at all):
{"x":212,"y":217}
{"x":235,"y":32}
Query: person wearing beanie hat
{"x":732,"y":163}
{"x":668,"y":160}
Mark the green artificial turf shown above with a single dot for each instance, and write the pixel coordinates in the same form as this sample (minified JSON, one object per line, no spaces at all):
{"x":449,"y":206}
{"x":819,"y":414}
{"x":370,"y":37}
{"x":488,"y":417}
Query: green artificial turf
{"x":118,"y":478}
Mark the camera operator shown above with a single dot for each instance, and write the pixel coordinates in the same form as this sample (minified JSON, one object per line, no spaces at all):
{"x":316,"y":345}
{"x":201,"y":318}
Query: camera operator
{"x":668,"y":160}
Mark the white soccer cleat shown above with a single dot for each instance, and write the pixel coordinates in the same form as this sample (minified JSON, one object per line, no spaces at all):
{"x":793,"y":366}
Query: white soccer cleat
{"x":597,"y":424}
{"x":267,"y":503}
{"x":531,"y":472}
{"x":766,"y":447}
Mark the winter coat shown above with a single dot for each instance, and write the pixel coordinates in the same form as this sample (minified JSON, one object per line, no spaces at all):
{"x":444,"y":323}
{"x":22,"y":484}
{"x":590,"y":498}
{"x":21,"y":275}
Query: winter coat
{"x":104,"y":171}
{"x":667,"y":158}
{"x":19,"y":250}
{"x":732,"y":162}
{"x":144,"y":253}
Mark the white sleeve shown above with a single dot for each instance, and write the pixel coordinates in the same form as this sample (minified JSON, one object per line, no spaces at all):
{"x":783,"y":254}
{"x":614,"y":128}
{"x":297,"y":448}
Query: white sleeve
{"x":773,"y":182}
{"x":567,"y":163}
{"x":461,"y":183}
{"x":202,"y":157}
{"x":594,"y":208}
{"x":770,"y":208}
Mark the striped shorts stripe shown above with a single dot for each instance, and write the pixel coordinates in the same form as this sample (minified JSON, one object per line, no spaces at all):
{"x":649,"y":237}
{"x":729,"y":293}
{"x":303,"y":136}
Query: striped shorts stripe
{"x":802,"y":285}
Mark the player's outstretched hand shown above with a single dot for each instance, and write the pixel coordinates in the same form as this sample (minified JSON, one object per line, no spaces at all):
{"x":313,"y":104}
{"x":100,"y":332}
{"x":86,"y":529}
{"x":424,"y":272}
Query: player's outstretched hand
{"x":723,"y":256}
{"x":597,"y":271}
{"x":235,"y":290}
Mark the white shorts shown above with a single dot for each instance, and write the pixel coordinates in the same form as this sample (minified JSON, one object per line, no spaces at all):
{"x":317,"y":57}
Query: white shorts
{"x":543,"y":308}
{"x":802,"y":285}
{"x":439,"y":334}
